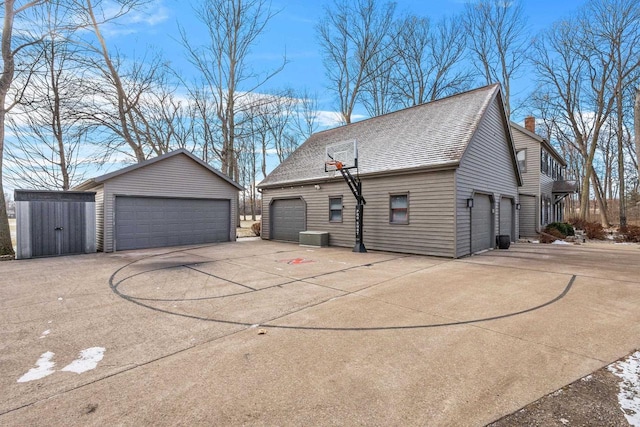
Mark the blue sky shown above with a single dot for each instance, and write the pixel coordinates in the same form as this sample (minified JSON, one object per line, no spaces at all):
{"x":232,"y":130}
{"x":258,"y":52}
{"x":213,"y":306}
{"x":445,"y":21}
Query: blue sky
{"x":292,"y":31}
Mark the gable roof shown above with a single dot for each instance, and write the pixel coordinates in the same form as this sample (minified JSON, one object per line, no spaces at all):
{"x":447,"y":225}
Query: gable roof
{"x":434,"y":135}
{"x":90,"y":183}
{"x":545,"y":143}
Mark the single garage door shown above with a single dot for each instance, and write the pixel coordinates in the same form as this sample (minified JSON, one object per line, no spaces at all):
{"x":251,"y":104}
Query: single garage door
{"x":506,"y":217}
{"x":528,"y":216}
{"x":288,"y":219}
{"x":149,"y":222}
{"x":481,"y":219}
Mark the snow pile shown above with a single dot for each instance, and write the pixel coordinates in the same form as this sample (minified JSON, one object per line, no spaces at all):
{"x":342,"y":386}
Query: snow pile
{"x":560,"y":242}
{"x":628,"y":371}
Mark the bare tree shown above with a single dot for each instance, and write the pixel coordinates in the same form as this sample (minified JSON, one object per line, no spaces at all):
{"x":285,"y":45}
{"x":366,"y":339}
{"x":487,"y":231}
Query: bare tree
{"x":428,"y":60}
{"x":575,"y":78}
{"x":48,"y":149}
{"x":233,"y":27}
{"x":353,"y":34}
{"x":496,"y":38}
{"x":124,"y":92}
{"x":615,"y":30}
{"x":10,"y":51}
{"x":636,"y":128}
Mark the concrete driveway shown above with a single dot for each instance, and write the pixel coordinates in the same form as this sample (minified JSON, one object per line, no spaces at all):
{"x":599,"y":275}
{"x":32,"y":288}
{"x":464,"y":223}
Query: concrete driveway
{"x":265,"y":333}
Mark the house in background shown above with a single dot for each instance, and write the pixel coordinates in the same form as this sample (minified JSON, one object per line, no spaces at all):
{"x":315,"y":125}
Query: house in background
{"x":439,"y":179}
{"x":544,"y":184}
{"x":170,"y":200}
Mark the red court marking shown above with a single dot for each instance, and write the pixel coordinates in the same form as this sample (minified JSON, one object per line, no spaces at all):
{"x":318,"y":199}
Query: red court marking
{"x":295,"y":261}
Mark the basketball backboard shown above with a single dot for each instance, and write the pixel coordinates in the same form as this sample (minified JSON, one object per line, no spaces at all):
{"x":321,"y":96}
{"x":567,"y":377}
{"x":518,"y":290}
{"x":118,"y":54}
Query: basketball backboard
{"x":345,"y":152}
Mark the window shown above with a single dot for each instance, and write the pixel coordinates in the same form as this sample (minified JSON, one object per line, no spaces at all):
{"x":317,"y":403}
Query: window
{"x":522,"y":160}
{"x":335,"y":209}
{"x":399,"y":209}
{"x":544,"y":162}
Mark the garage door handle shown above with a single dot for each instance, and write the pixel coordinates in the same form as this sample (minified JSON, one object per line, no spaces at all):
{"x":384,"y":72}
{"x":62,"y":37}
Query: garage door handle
{"x":58,"y":228}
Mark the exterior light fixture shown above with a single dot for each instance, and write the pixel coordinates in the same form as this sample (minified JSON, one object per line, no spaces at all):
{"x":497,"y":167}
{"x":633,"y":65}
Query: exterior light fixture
{"x":517,"y":206}
{"x":317,"y":187}
{"x":470,"y":203}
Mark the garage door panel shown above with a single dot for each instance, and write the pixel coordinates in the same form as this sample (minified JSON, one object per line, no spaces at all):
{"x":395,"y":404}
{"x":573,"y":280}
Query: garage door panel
{"x":143,"y":222}
{"x":506,"y":217}
{"x":481,"y":230}
{"x":288,"y":219}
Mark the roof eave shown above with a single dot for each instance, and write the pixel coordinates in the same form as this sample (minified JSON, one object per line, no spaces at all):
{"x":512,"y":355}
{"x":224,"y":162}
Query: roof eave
{"x":393,"y":172}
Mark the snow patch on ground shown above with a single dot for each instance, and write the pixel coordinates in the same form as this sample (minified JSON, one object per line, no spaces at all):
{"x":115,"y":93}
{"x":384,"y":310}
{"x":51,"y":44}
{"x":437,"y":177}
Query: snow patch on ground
{"x":44,"y":367}
{"x":86,"y":361}
{"x":628,"y":371}
{"x":560,"y":242}
{"x":45,"y":333}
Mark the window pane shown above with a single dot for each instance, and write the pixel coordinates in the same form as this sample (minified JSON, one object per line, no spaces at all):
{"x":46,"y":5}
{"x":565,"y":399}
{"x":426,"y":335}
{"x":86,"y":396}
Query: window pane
{"x":399,"y":202}
{"x":522,"y":160}
{"x":399,"y":215}
{"x":335,"y":209}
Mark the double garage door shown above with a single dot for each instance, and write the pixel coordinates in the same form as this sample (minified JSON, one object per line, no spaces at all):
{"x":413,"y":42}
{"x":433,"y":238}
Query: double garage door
{"x":482,"y":235}
{"x":150,"y":222}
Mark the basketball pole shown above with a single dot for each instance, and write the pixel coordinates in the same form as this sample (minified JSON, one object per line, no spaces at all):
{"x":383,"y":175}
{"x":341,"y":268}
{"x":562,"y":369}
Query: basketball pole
{"x":355,"y":185}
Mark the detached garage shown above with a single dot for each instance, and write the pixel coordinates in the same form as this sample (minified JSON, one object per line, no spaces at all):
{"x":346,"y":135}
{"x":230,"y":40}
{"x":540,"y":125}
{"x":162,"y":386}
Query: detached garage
{"x":171,"y":200}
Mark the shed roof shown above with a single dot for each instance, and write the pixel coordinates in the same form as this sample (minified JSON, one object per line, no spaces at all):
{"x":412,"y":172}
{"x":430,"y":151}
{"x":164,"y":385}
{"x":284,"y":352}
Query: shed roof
{"x":434,"y":135}
{"x":90,"y":183}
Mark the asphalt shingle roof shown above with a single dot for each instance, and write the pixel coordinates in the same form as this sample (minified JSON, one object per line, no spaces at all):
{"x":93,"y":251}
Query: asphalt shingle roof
{"x":428,"y":135}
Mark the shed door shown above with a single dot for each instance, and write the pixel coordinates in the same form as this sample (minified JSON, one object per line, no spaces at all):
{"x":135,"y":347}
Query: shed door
{"x":528,"y":216}
{"x":481,"y":219}
{"x":150,"y":222}
{"x":288,"y":219}
{"x":57,"y":228}
{"x":506,"y":217}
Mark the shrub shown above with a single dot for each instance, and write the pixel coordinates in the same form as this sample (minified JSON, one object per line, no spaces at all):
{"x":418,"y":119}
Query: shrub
{"x":578,"y":223}
{"x":550,"y":235}
{"x":594,"y":230}
{"x":631,"y":233}
{"x":255,"y":228}
{"x":563,"y":227}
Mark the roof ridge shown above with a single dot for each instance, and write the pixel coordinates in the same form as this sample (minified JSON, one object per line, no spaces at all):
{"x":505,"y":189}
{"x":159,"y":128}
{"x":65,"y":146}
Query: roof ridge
{"x":435,"y":101}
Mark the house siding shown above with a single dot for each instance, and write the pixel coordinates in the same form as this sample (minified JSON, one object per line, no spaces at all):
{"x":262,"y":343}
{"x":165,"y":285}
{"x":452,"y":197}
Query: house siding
{"x":99,"y":217}
{"x":431,"y":227}
{"x":531,"y":175}
{"x":159,"y":180}
{"x":486,"y":167}
{"x":528,"y":215}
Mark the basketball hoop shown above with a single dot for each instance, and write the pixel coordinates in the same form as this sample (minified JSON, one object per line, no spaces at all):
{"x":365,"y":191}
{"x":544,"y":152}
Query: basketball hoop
{"x":338,"y":165}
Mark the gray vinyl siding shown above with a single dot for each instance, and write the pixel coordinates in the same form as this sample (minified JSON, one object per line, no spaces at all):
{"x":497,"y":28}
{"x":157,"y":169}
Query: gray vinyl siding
{"x":99,"y":218}
{"x":531,"y":176}
{"x":486,"y":167}
{"x":430,"y":230}
{"x":176,"y":176}
{"x":528,"y":215}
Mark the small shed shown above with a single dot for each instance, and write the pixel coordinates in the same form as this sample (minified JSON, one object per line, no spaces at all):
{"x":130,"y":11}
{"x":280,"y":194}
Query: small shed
{"x":170,"y":200}
{"x":51,"y":223}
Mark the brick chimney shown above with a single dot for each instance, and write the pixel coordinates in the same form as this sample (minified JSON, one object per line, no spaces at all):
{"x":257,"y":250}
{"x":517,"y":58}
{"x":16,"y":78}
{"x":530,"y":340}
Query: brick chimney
{"x":530,"y":124}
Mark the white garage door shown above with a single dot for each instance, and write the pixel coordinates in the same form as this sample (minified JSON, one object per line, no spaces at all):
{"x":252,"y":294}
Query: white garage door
{"x":287,"y":219}
{"x":150,"y":222}
{"x":506,"y":217}
{"x":481,"y":219}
